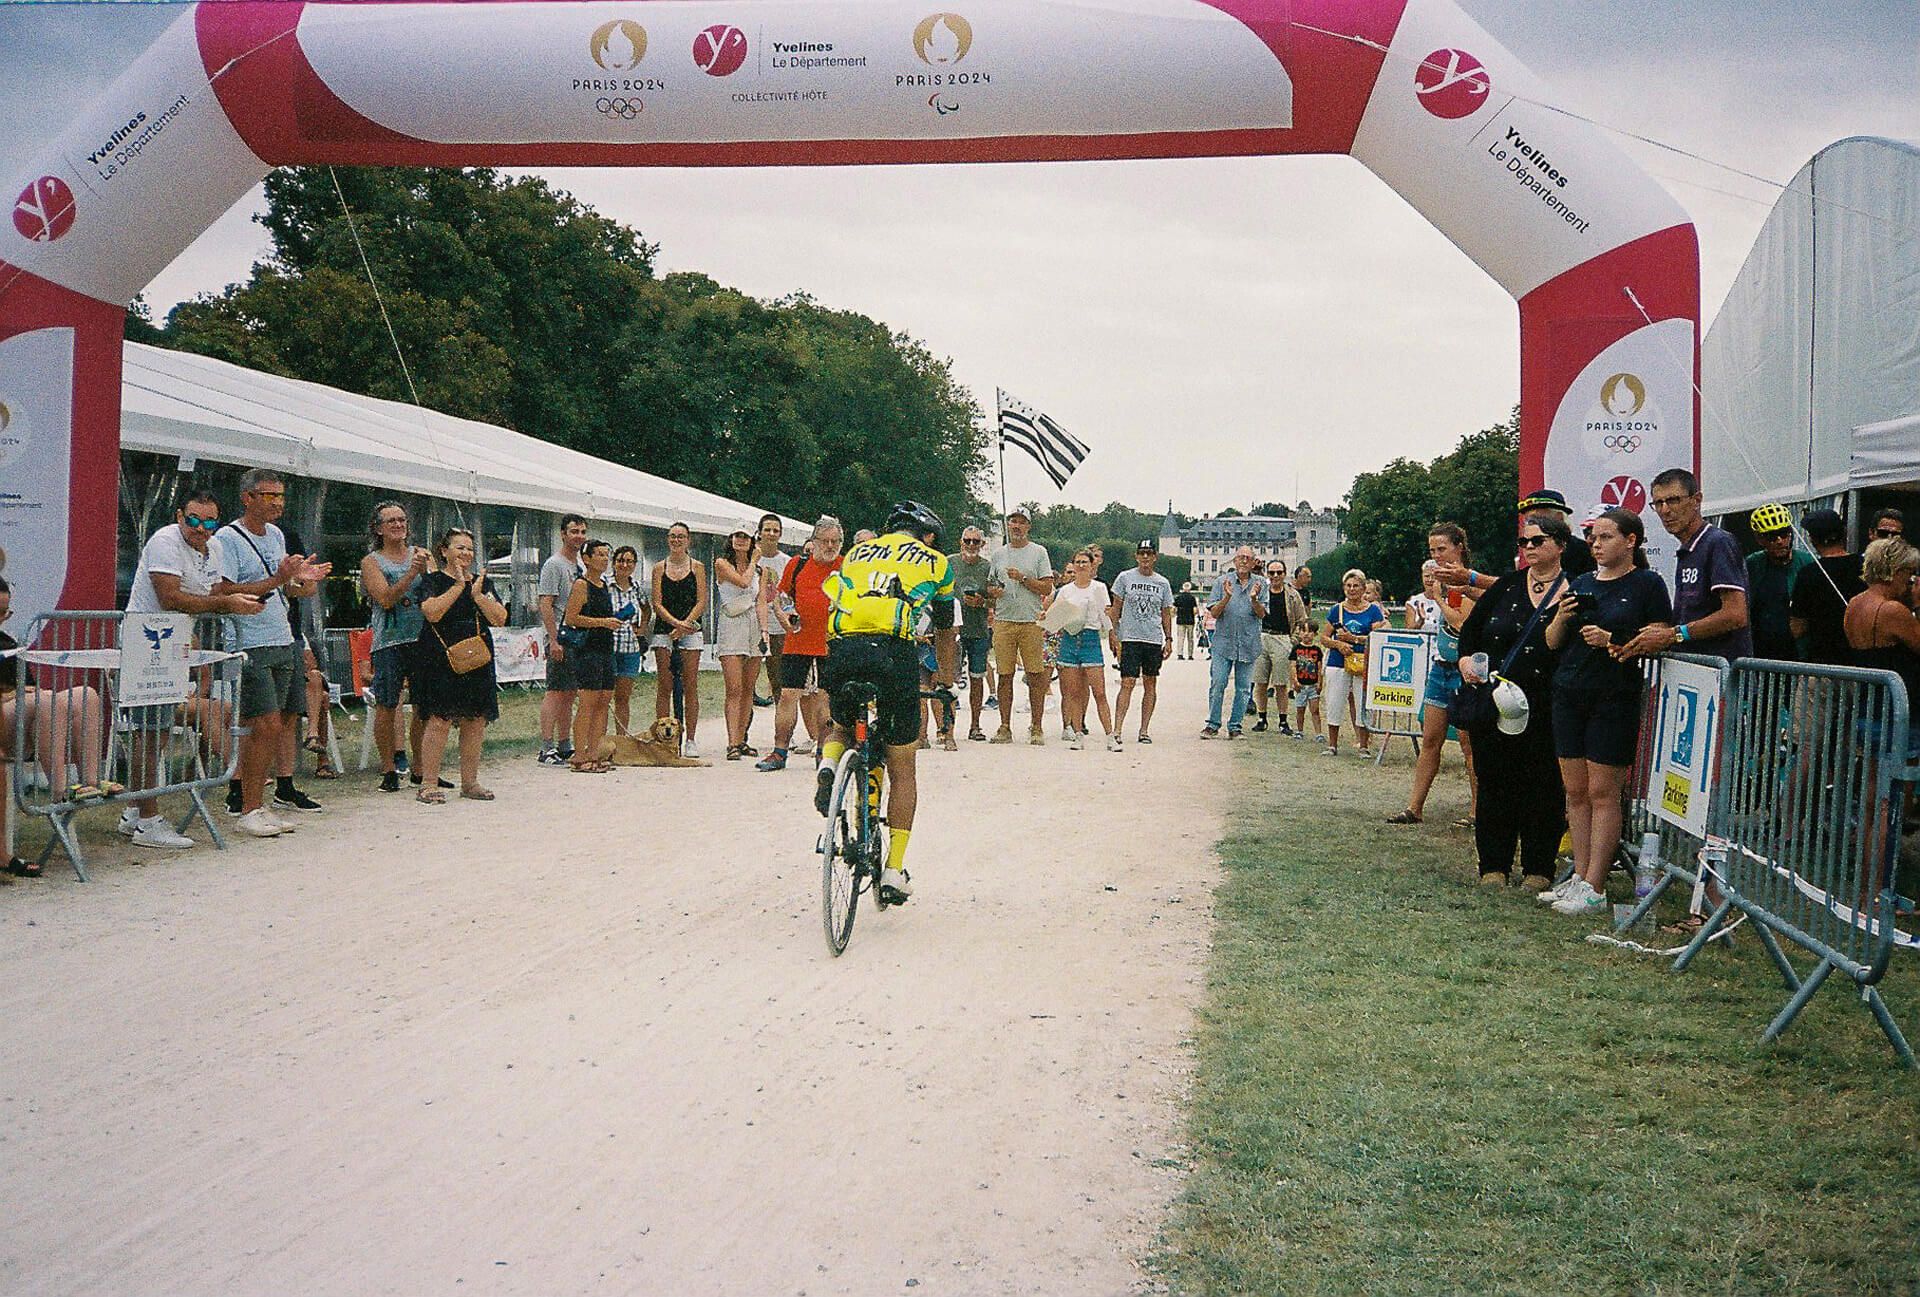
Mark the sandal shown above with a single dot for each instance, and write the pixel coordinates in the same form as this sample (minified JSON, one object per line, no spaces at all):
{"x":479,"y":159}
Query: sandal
{"x":1464,"y":822}
{"x":24,"y":868}
{"x":1685,"y":927}
{"x":430,"y":797}
{"x":477,"y":794}
{"x":734,"y":751}
{"x":325,"y":769}
{"x":315,"y":744}
{"x":1404,"y":817}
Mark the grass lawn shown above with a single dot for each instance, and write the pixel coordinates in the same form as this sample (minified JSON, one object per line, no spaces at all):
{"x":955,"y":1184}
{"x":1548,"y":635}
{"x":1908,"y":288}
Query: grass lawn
{"x":1407,"y":1085}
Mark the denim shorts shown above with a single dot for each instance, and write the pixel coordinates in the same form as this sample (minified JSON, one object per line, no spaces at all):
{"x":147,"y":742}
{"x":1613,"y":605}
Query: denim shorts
{"x":1081,"y":649}
{"x":975,"y":652}
{"x":626,"y":665}
{"x":1443,"y":682}
{"x":392,"y":669}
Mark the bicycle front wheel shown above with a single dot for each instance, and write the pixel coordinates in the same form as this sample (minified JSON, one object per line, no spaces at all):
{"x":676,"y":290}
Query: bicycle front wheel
{"x":841,"y":857}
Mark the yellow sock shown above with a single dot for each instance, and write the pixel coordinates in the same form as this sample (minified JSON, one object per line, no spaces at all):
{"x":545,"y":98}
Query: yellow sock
{"x":897,"y":847}
{"x":830,"y":752}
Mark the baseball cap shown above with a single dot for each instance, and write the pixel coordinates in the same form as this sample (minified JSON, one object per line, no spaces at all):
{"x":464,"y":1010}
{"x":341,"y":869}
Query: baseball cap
{"x":1544,"y":499}
{"x":1153,"y":545}
{"x":1511,"y":702}
{"x":1018,"y":512}
{"x":1594,"y":515}
{"x":1824,"y":527}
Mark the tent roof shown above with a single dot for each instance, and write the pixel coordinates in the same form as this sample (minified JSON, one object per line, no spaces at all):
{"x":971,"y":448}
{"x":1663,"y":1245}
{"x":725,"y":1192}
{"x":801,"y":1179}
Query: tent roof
{"x":178,"y":403}
{"x":1820,"y":333}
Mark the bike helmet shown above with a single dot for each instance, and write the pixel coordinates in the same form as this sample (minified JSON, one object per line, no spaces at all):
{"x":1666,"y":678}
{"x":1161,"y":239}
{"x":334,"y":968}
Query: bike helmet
{"x":1769,"y":519}
{"x":915,"y":519}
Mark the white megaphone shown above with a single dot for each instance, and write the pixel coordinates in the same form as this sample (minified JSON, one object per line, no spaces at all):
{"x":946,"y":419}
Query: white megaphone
{"x":1511,"y":702}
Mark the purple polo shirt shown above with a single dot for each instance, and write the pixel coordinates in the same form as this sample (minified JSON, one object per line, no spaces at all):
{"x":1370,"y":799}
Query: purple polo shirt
{"x":1710,"y":564}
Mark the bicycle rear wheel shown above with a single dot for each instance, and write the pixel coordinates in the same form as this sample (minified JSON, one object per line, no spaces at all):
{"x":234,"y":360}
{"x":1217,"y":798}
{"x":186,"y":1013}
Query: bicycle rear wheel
{"x":841,"y":857}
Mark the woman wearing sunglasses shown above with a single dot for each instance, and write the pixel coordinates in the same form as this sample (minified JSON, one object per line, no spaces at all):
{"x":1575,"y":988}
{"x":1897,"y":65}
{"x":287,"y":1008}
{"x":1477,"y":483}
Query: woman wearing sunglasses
{"x":1521,"y":800}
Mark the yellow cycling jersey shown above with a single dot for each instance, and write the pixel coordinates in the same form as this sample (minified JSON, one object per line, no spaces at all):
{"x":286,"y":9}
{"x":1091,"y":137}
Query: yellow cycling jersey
{"x":883,"y":584}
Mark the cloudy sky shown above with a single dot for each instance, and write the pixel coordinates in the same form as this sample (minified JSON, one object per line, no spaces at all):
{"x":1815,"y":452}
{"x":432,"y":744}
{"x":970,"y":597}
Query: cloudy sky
{"x":1219,"y":331}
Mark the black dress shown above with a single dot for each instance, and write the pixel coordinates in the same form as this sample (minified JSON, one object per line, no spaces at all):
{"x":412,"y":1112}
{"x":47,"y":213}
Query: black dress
{"x":437,"y":690}
{"x":1521,"y":798}
{"x":593,"y":662}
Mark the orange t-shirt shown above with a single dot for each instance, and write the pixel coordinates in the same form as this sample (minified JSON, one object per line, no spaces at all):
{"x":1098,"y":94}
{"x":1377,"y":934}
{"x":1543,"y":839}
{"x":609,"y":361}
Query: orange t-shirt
{"x":805,"y":579}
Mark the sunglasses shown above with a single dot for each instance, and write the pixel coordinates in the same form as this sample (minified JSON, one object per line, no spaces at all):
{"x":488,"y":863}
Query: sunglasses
{"x":1528,"y":542}
{"x":1885,"y":533}
{"x":973,"y":542}
{"x":210,"y":524}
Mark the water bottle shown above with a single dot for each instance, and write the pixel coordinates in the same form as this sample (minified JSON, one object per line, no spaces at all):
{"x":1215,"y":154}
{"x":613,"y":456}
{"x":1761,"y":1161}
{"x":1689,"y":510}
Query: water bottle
{"x":1646,"y":869}
{"x":873,"y":791}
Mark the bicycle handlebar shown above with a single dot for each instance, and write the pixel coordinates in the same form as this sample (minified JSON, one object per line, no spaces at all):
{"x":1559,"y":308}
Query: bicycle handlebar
{"x":948,"y":703}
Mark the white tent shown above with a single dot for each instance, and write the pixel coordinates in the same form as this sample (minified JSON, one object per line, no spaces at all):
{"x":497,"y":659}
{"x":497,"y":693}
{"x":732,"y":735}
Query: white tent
{"x":177,"y":404}
{"x":1819,"y":336}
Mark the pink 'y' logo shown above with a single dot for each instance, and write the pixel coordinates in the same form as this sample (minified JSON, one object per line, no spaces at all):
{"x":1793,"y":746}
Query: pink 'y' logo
{"x":1624,"y":493}
{"x":1451,"y":83}
{"x":720,"y":50}
{"x":44,"y":211}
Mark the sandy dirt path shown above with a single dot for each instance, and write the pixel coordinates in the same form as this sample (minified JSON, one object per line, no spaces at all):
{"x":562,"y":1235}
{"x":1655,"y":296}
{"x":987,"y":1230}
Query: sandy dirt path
{"x":588,"y":1039}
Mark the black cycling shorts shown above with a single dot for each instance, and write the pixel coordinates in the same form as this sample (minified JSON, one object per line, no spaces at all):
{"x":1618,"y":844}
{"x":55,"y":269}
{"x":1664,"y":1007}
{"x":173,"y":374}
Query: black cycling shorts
{"x":888,"y":663}
{"x":1589,"y":725}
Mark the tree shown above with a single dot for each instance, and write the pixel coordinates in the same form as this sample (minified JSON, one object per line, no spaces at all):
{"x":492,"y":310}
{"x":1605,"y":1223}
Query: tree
{"x":1388,"y":516}
{"x":1388,"y":513}
{"x":516,"y":305}
{"x":1476,"y":485}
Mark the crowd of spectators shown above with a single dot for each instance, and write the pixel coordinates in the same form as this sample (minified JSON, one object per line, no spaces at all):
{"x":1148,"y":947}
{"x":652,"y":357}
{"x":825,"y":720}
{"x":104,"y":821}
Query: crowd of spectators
{"x":1554,"y":644}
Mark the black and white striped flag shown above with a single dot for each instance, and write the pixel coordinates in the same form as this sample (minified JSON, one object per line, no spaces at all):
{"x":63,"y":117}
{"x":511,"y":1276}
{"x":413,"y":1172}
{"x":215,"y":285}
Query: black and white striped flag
{"x":1058,"y":451}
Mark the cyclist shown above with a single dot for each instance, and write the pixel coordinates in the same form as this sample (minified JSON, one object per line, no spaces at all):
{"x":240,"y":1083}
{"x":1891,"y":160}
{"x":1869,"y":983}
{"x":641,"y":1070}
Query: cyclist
{"x":876,"y":598}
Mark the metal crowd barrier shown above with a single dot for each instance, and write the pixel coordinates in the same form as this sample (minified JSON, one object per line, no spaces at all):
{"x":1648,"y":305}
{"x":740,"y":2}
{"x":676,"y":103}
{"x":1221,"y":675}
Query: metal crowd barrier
{"x":1812,"y":787}
{"x":75,"y":746}
{"x":1680,"y":851}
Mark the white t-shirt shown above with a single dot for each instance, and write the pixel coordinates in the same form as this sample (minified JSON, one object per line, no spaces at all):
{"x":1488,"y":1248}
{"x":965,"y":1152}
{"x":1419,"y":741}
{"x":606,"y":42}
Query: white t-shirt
{"x":772,"y":568}
{"x":172,"y":553}
{"x":1428,"y":609}
{"x":1091,"y":602}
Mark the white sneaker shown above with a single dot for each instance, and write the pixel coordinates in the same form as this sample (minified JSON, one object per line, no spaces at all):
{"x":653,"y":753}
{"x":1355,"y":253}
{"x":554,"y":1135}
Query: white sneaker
{"x":286,"y":825}
{"x":1074,"y":743}
{"x":689,"y":751}
{"x":895,"y":881}
{"x":156,"y":832}
{"x":129,"y":821}
{"x":1113,"y":742}
{"x":1581,"y":898}
{"x":259,"y":823}
{"x":1557,"y":891}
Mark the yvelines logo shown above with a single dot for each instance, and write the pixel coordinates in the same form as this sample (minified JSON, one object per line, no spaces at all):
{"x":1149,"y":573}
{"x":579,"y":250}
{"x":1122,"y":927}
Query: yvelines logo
{"x":618,"y":46}
{"x":942,"y":40}
{"x":720,"y":50}
{"x":44,"y":210}
{"x":1623,"y":395}
{"x":1624,"y":493}
{"x":1451,"y":83}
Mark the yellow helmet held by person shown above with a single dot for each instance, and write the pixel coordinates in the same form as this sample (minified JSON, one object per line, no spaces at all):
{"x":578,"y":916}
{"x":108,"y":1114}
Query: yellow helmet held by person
{"x":1770,"y":519}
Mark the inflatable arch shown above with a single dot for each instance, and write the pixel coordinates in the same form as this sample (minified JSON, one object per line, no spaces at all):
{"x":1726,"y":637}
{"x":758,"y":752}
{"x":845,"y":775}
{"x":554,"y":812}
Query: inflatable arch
{"x":1603,"y":263}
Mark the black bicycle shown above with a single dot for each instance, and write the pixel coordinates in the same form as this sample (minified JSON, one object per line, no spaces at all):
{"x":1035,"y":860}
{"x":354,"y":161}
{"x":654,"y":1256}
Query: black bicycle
{"x":853,"y":845}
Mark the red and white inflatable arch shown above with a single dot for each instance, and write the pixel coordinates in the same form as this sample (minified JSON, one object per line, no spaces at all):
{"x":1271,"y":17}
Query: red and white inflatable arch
{"x":1412,"y":88}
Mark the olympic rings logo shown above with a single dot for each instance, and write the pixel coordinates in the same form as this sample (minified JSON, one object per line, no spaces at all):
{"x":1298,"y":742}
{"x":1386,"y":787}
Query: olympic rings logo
{"x":1624,"y":443}
{"x":625,"y":109}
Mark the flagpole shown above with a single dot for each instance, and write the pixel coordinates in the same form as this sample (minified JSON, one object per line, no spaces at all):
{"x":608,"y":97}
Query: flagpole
{"x":998,"y":401}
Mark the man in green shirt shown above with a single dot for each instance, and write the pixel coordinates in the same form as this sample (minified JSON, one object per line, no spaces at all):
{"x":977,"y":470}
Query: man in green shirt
{"x":1770,"y":576}
{"x":972,"y":574}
